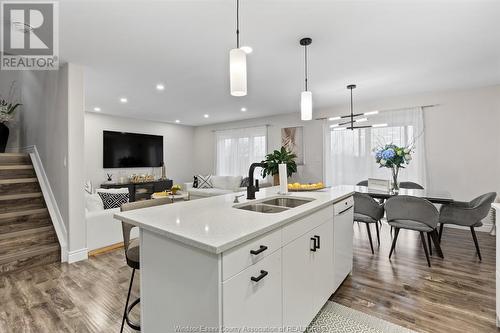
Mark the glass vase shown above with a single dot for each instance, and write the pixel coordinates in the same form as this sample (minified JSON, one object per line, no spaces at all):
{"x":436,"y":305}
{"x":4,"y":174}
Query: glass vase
{"x":395,"y":183}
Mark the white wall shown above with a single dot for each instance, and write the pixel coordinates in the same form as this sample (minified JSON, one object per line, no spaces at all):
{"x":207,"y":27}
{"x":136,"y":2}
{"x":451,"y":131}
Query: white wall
{"x":312,"y":170}
{"x":178,"y":147}
{"x":462,"y":139}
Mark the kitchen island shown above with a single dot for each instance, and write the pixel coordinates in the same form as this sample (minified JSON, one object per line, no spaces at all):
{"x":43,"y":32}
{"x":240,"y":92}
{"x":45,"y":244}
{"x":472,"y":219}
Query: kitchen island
{"x":212,"y":265}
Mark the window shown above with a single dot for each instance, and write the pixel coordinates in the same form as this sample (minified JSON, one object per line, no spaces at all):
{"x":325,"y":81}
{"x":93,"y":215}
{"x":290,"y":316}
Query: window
{"x":349,"y":154}
{"x":238,"y":148}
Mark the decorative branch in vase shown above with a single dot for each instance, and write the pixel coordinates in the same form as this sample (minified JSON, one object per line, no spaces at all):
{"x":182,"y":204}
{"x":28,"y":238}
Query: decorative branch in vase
{"x":395,"y":158}
{"x":7,"y":112}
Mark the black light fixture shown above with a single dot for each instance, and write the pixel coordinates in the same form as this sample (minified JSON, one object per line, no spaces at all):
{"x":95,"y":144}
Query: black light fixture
{"x":306,"y":95}
{"x":353,"y":118}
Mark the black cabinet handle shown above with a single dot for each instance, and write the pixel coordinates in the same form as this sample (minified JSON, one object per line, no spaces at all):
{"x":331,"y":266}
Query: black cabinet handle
{"x":261,"y":249}
{"x":318,"y":244}
{"x":314,"y":244}
{"x":262,"y":275}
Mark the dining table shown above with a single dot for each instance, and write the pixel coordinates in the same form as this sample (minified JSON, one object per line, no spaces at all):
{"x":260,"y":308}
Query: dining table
{"x":437,"y":197}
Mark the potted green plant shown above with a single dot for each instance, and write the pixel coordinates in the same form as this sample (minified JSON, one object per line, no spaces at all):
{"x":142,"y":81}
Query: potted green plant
{"x":7,"y":109}
{"x":276,"y":158}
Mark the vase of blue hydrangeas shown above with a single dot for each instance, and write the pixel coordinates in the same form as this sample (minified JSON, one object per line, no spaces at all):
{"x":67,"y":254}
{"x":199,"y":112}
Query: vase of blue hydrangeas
{"x":395,"y":158}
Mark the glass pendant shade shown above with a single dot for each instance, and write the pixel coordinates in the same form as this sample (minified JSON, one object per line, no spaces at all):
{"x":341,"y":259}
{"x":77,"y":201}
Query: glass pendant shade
{"x":306,"y":105}
{"x":238,"y":72}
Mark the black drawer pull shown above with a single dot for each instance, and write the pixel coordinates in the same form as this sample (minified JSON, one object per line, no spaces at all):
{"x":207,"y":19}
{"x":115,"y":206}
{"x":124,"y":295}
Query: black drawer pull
{"x":261,"y":249}
{"x":314,"y":244}
{"x":318,"y":244}
{"x":262,"y":275}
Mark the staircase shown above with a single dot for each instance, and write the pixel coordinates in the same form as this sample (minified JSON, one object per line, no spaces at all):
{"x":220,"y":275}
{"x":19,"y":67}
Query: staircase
{"x":27,"y":236}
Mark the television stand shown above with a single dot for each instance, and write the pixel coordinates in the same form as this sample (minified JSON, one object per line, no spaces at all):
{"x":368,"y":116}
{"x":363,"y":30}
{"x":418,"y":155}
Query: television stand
{"x":142,"y":191}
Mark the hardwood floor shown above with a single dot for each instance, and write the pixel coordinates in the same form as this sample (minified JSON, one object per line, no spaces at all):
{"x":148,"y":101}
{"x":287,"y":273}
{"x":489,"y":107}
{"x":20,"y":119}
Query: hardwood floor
{"x":456,"y":294}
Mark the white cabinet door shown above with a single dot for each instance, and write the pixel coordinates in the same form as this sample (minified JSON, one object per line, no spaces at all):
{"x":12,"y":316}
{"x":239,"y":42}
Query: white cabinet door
{"x":323,"y":265}
{"x":254,"y":304}
{"x":298,"y":282}
{"x":343,"y":237}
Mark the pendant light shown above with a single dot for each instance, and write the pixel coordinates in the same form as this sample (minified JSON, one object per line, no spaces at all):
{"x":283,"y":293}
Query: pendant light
{"x":238,"y":63}
{"x":353,"y":118}
{"x":305,"y":96}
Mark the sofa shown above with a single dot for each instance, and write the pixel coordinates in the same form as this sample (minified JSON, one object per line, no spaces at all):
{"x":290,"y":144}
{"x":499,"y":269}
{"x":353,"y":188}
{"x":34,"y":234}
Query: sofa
{"x":221,"y":185}
{"x":102,"y":229}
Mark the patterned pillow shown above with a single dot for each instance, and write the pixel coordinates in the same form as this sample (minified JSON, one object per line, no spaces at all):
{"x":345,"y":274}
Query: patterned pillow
{"x":113,"y":200}
{"x":245,"y":182}
{"x":205,"y":181}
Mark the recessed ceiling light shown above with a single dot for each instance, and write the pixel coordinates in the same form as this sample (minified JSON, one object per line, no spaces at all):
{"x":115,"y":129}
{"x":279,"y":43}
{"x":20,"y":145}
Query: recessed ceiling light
{"x":123,"y":100}
{"x":334,"y":118}
{"x":160,"y":87}
{"x":177,"y":121}
{"x":243,"y":109}
{"x":247,"y":49}
{"x":97,"y":109}
{"x":206,"y":116}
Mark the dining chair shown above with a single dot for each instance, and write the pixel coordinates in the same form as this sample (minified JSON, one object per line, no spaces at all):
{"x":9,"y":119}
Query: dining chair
{"x":132,"y":250}
{"x":367,"y":210}
{"x":411,"y":185}
{"x":467,"y":214}
{"x":412,"y":213}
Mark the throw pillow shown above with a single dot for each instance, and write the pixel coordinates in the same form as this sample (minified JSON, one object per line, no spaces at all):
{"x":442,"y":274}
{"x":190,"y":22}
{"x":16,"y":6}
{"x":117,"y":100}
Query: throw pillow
{"x":245,"y":182}
{"x":205,"y":181}
{"x":113,"y":200}
{"x":195,"y":182}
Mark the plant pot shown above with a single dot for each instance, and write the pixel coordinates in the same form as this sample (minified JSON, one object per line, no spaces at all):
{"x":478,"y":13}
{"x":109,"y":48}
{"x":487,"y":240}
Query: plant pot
{"x":276,"y":179}
{"x":4,"y":137}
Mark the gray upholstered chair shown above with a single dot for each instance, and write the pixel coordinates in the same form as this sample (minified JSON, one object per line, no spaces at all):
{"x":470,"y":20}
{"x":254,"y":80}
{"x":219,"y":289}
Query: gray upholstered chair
{"x":367,"y":210}
{"x":131,"y":247}
{"x":411,"y":185}
{"x":412,"y":213}
{"x":363,"y":183}
{"x":467,"y":214}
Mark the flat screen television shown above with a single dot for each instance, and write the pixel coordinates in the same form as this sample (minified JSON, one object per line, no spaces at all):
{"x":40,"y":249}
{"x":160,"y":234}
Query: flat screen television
{"x":132,"y":150}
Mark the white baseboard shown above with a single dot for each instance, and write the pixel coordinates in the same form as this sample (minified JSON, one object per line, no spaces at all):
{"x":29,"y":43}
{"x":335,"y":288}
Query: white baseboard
{"x":78,"y":255}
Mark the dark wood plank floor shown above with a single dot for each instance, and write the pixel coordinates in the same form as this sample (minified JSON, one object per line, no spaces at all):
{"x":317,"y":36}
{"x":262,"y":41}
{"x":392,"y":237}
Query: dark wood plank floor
{"x":456,"y":295}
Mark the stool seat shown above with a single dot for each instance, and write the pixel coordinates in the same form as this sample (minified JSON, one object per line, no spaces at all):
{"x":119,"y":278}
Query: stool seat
{"x":132,"y":254}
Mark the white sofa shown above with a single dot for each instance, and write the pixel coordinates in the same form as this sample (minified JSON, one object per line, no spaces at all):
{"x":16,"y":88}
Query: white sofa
{"x":222,"y":185}
{"x":102,"y":229}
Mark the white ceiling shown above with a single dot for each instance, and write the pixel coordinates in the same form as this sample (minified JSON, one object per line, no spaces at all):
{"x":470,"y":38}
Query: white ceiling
{"x":387,"y":48}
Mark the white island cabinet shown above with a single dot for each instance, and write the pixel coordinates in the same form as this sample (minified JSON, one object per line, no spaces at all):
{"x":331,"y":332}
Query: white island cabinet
{"x":207,"y":266}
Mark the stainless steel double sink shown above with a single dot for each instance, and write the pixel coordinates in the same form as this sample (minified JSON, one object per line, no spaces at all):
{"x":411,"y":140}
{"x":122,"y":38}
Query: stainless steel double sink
{"x":274,"y":205}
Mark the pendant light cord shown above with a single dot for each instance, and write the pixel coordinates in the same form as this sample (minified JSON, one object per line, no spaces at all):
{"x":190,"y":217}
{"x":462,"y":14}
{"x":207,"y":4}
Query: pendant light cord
{"x":305,"y":67}
{"x":352,"y":113}
{"x":237,"y":24}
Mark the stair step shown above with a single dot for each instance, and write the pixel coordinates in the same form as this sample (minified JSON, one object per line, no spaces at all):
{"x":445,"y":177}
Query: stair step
{"x":20,"y":196}
{"x":14,"y":158}
{"x":32,"y":257}
{"x":19,"y":241}
{"x":23,"y":213}
{"x":19,"y":186}
{"x":16,"y":171}
{"x":20,"y":204}
{"x":17,"y":223}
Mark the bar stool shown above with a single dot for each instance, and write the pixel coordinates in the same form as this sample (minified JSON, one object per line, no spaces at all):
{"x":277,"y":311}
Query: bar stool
{"x":132,"y":250}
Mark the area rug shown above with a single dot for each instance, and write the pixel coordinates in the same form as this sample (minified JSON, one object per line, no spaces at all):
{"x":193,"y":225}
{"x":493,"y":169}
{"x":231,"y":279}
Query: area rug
{"x":337,"y":318}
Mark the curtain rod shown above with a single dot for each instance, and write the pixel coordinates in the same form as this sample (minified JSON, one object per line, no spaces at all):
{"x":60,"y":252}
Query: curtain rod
{"x":238,"y":128}
{"x":396,"y":109}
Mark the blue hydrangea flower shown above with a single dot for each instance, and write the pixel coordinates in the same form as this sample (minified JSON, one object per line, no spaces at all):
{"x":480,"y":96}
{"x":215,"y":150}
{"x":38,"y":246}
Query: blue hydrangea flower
{"x":388,"y":154}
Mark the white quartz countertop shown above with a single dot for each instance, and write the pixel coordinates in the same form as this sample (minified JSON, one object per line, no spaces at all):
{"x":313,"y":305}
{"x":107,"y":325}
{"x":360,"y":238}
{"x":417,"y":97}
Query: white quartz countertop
{"x":214,"y":225}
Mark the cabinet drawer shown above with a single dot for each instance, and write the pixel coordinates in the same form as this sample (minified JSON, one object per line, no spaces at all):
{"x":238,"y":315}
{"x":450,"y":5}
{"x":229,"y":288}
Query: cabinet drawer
{"x":254,"y":304}
{"x":249,"y":253}
{"x":295,"y":229}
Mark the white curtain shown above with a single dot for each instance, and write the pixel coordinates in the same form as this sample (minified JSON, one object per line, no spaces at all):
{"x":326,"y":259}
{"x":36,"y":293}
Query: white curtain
{"x":349,"y":154}
{"x":238,"y":148}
